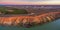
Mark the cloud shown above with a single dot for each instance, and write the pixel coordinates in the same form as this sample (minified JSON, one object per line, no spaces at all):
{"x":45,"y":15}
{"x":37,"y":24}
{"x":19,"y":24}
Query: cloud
{"x":34,"y":0}
{"x":24,"y":0}
{"x":38,"y":2}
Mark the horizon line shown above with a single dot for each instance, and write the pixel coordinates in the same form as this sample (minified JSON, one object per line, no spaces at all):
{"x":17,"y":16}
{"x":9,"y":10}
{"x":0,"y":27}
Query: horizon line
{"x":29,"y":4}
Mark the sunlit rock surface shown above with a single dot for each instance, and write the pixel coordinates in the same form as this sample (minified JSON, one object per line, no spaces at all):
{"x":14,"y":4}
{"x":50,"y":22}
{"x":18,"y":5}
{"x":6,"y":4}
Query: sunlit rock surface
{"x":28,"y":20}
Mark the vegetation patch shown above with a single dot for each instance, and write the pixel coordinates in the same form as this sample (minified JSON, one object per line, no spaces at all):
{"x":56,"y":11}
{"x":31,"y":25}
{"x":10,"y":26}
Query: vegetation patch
{"x":4,"y":10}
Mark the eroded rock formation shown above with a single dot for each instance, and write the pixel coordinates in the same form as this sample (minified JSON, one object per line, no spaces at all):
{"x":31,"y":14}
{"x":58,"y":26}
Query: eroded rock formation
{"x":28,"y":21}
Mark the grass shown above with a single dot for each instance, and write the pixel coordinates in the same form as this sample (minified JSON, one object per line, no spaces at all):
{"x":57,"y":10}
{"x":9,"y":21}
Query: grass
{"x":5,"y":10}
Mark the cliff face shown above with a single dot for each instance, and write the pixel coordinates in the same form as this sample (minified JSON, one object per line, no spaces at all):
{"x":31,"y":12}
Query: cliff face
{"x":28,"y":21}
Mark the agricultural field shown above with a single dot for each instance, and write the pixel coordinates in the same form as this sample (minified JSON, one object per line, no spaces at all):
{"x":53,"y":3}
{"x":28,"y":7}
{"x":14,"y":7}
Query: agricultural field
{"x":4,"y":10}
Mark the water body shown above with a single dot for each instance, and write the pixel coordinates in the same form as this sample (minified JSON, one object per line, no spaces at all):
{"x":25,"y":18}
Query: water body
{"x":55,"y":25}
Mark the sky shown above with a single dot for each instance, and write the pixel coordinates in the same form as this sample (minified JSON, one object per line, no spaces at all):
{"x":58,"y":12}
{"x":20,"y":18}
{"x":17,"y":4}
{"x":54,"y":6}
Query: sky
{"x":30,"y":2}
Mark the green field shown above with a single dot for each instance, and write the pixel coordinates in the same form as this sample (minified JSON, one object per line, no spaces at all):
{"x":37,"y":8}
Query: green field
{"x":4,"y":10}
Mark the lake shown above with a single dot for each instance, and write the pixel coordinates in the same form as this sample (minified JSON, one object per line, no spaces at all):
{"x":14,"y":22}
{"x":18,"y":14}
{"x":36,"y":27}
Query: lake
{"x":55,"y":25}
